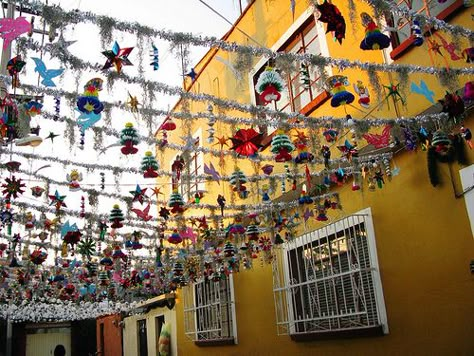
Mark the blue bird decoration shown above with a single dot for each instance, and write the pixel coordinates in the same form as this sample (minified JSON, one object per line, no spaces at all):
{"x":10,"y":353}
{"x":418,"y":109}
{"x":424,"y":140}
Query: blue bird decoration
{"x":46,"y":74}
{"x":87,"y":119}
{"x":422,"y":89}
{"x":154,"y":58}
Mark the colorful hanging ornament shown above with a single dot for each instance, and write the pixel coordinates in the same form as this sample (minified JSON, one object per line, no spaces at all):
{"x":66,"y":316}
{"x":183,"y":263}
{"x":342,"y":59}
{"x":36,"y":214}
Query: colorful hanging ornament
{"x":331,"y":135}
{"x":467,"y":135}
{"x":237,"y":180}
{"x":301,"y":144}
{"x":330,"y":14}
{"x":269,"y":86}
{"x":246,"y":142}
{"x":155,"y":63}
{"x":164,"y":213}
{"x":12,"y":166}
{"x":282,"y":147}
{"x":337,"y":86}
{"x":89,"y":105}
{"x":267,"y":169}
{"x":175,"y":238}
{"x":379,"y":141}
{"x":363,"y":92}
{"x":116,"y":217}
{"x":416,"y":32}
{"x":348,"y":150}
{"x":37,"y":191}
{"x":149,"y":165}
{"x":138,"y":194}
{"x":12,"y":187}
{"x":14,"y":67}
{"x":117,"y":57}
{"x":452,"y":105}
{"x":129,"y":138}
{"x":73,"y":178}
{"x":468,"y":91}
{"x":86,"y":247}
{"x":176,"y":202}
{"x":37,"y":257}
{"x":46,"y":74}
{"x":304,"y":197}
{"x":191,"y":74}
{"x":176,"y":167}
{"x":374,"y":39}
{"x":221,"y":202}
{"x":30,"y":220}
{"x":13,"y":28}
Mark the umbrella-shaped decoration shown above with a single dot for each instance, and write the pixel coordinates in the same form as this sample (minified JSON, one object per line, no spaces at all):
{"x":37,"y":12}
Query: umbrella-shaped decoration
{"x":246,"y":142}
{"x":175,"y":238}
{"x":374,"y":39}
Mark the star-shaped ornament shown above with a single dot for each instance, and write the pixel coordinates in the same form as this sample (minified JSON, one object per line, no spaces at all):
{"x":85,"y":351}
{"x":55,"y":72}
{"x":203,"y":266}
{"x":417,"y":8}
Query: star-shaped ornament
{"x":156,"y":191}
{"x":138,"y":194}
{"x":164,"y":213}
{"x":133,"y":102}
{"x":307,"y":214}
{"x":51,"y":136}
{"x":222,"y":141}
{"x":117,"y":57}
{"x":57,"y":200}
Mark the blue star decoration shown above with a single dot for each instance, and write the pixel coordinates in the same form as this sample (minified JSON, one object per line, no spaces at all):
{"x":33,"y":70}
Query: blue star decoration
{"x":117,"y":57}
{"x":191,"y":74}
{"x":138,"y":194}
{"x":57,"y":200}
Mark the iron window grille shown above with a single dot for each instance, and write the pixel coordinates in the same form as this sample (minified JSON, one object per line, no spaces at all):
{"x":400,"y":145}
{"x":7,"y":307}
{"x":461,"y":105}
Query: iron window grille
{"x":209,"y":311}
{"x":327,"y":281}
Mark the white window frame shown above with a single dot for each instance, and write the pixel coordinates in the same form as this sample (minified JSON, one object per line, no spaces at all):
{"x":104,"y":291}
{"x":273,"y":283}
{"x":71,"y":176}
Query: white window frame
{"x":283,"y":39}
{"x":284,"y":303}
{"x":192,"y":310}
{"x":467,"y":181}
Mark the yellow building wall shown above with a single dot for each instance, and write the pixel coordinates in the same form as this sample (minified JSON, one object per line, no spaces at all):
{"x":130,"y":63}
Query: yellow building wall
{"x":424,"y":242}
{"x":130,"y":332}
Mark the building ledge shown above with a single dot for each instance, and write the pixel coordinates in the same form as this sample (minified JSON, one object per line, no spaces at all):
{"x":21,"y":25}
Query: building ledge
{"x":216,"y":342}
{"x":340,"y":334}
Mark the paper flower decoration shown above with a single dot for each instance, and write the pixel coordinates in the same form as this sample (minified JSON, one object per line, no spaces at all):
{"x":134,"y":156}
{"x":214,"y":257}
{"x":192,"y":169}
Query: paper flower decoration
{"x":330,"y":14}
{"x":269,"y":85}
{"x":13,"y":28}
{"x":14,"y":67}
{"x":12,"y":187}
{"x":129,"y":138}
{"x":374,"y":39}
{"x":337,"y":86}
{"x":46,"y":74}
{"x":116,"y":217}
{"x":282,"y":147}
{"x":117,"y":57}
{"x":246,"y":142}
{"x":149,"y":165}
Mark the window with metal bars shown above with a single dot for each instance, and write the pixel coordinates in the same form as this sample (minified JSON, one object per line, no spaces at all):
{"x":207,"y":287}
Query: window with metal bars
{"x":209,"y":312}
{"x":327,"y":282}
{"x":431,"y":8}
{"x":303,"y":85}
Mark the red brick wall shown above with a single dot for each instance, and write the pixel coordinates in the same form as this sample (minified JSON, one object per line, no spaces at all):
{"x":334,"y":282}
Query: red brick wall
{"x":112,"y":335}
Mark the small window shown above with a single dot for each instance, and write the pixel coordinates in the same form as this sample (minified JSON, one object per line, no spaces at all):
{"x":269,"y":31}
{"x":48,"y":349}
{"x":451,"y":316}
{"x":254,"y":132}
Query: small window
{"x":424,"y":7}
{"x":209,"y":311}
{"x":142,"y":338}
{"x":327,"y":282}
{"x":304,"y":87}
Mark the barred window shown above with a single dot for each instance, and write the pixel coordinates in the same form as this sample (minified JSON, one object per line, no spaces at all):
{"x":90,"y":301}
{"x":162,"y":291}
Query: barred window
{"x":209,"y":312}
{"x":328,"y":282}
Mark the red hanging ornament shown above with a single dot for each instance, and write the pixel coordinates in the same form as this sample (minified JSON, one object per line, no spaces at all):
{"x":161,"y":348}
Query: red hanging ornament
{"x":247,"y":142}
{"x":116,"y":217}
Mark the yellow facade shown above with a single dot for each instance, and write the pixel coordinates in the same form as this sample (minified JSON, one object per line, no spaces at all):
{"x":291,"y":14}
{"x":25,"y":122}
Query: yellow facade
{"x":424,"y":240}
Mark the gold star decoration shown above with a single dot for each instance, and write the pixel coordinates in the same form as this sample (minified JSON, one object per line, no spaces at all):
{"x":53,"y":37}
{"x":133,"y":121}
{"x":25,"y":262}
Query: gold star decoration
{"x":133,"y":102}
{"x":222,"y":141}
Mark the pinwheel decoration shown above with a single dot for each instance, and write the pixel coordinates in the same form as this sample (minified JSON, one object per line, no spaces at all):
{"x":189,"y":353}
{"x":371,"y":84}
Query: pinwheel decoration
{"x":246,"y":142}
{"x":14,"y":67}
{"x":330,"y":14}
{"x":117,"y":57}
{"x":13,"y":187}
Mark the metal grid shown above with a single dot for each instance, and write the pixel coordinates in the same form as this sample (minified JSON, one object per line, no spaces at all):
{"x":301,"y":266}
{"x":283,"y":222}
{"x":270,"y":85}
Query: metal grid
{"x":328,"y":280}
{"x":209,"y":312}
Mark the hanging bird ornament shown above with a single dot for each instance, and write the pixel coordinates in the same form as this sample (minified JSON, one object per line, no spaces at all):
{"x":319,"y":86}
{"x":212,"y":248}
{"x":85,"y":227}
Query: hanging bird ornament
{"x":46,"y":74}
